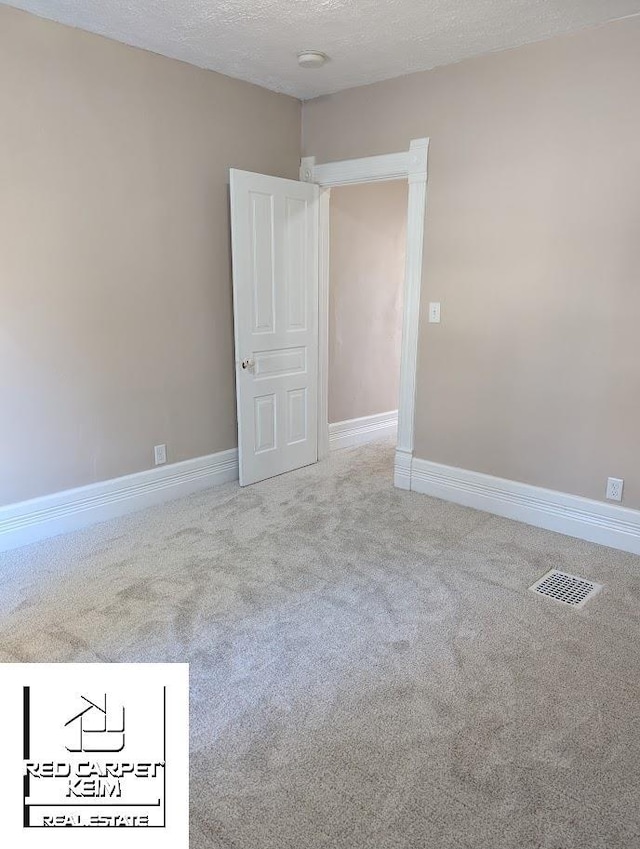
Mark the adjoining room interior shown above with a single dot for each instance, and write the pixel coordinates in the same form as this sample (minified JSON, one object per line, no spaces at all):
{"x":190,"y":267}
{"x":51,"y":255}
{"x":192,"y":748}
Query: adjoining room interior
{"x":368,"y":233}
{"x":424,"y":643}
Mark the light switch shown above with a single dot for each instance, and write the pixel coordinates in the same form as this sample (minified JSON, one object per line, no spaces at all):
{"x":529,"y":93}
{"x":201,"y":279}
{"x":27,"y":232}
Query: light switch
{"x":434,"y":313}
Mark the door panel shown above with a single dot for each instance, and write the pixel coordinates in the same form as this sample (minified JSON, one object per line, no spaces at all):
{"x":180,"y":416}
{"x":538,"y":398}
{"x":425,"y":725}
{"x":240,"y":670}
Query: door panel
{"x":262,"y":262}
{"x":297,"y":411}
{"x":286,"y":361}
{"x":265,"y":423}
{"x":274,"y":227}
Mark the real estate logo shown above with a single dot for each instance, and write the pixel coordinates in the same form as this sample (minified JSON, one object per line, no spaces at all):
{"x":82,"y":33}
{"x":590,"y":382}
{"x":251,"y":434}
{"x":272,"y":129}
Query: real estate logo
{"x":89,"y":786}
{"x":103,"y":746}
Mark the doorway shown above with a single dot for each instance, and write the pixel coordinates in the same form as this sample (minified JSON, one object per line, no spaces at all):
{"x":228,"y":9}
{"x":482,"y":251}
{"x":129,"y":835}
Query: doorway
{"x":280,"y":232}
{"x":368,"y":224}
{"x":409,"y":165}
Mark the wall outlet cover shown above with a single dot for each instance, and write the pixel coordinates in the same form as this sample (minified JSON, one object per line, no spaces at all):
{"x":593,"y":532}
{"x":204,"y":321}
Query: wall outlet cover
{"x":160,"y":454}
{"x":614,"y":489}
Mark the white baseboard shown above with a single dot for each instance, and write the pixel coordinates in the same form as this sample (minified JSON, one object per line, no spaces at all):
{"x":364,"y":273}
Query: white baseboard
{"x":39,"y":518}
{"x":402,"y":469}
{"x":595,"y":521}
{"x":358,"y":431}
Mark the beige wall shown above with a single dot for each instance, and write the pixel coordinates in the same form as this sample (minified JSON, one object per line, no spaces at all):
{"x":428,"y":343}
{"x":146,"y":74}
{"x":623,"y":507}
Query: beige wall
{"x":115,"y":296}
{"x":533,"y":248}
{"x":368,"y":241}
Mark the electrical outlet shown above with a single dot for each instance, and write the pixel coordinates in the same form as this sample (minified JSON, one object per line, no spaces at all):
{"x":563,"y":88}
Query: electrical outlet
{"x":160,"y":454}
{"x":434,"y":313}
{"x":614,"y":489}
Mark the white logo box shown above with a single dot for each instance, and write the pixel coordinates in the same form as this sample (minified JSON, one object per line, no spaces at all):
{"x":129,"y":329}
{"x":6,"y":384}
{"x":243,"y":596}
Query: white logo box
{"x":102,"y":747}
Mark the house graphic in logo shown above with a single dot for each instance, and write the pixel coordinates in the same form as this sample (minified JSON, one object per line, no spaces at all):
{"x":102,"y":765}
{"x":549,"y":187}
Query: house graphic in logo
{"x":96,"y":728}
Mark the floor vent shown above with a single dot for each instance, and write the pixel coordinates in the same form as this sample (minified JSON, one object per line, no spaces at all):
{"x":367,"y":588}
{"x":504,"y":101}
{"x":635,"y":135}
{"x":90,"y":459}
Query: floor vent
{"x":569,"y":589}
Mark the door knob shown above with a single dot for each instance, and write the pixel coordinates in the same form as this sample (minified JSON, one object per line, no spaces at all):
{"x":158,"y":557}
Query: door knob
{"x":248,"y":363}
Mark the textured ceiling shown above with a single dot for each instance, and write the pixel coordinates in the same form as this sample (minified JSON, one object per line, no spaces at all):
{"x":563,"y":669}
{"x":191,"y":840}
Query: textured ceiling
{"x":367,"y":40}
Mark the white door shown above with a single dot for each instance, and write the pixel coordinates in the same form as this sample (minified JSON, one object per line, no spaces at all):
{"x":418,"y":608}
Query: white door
{"x":274,"y":231}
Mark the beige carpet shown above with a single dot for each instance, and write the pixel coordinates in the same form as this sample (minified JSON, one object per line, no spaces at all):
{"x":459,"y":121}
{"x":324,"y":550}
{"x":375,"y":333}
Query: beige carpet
{"x":368,"y":668}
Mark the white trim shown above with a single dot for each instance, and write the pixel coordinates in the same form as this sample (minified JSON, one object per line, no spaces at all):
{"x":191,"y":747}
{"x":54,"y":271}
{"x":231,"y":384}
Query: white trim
{"x":352,"y":432}
{"x":411,"y":165}
{"x":412,"y":286}
{"x":323,"y":323}
{"x":595,"y":521}
{"x":402,"y":469}
{"x":39,"y":518}
{"x":370,"y":169}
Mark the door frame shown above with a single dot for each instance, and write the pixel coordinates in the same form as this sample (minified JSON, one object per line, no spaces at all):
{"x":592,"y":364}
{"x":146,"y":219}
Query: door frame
{"x":408,"y":165}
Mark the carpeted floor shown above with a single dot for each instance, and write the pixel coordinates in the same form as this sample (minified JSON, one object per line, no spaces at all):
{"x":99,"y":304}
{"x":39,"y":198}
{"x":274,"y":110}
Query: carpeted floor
{"x":368,"y":668}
